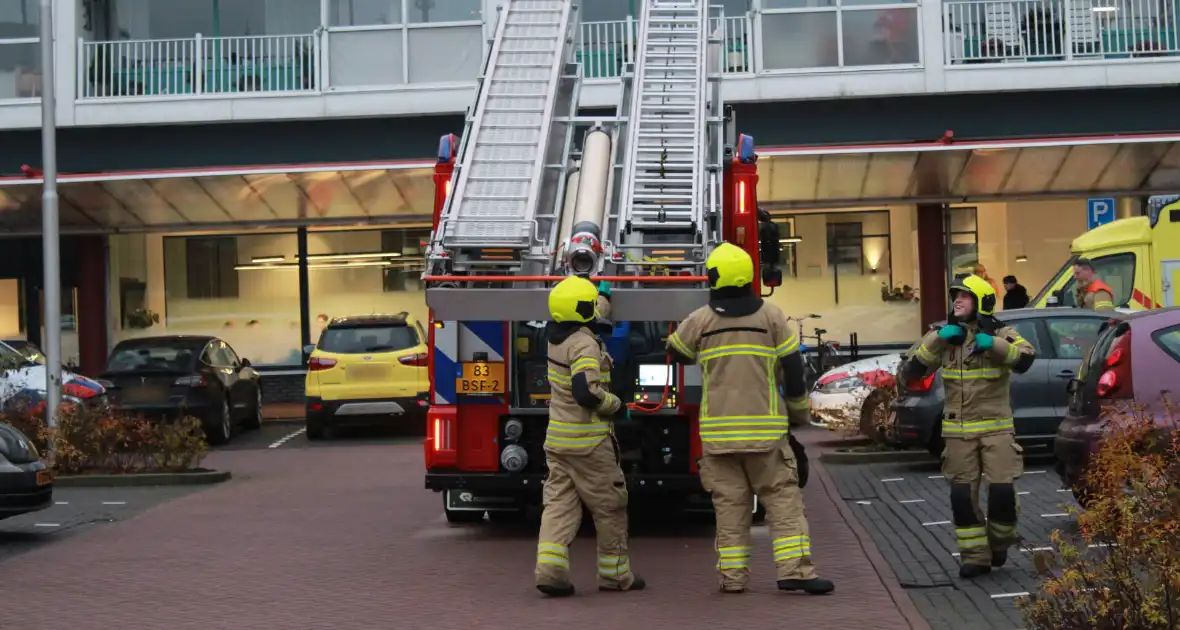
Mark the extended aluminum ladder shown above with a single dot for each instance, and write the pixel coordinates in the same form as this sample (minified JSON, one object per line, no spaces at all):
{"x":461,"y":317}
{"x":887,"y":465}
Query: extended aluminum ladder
{"x":667,"y":191}
{"x":503,"y":154}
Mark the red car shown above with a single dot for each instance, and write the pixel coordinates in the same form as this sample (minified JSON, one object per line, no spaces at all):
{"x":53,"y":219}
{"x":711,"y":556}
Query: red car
{"x":1134,"y":359}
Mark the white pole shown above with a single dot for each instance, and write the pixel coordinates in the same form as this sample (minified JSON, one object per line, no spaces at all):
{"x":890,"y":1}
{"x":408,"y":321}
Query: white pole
{"x":50,"y":241}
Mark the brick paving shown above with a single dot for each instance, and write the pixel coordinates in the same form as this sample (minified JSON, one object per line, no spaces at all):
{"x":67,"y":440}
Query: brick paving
{"x":906,"y":509}
{"x":347,"y":538}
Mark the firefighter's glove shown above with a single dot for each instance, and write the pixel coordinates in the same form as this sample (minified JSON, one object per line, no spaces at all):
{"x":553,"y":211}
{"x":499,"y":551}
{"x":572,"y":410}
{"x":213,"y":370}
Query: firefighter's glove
{"x":984,"y":341}
{"x":953,"y":334}
{"x":604,"y":288}
{"x":801,"y":463}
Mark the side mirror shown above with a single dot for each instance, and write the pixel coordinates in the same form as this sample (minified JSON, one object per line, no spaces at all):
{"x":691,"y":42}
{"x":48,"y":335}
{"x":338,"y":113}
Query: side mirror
{"x":1055,"y":299}
{"x":1072,"y":386}
{"x":308,"y":349}
{"x":245,"y":362}
{"x":772,"y":276}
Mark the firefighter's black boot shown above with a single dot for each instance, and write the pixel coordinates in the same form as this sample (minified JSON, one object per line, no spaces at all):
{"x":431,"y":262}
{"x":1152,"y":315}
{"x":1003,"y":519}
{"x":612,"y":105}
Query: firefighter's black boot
{"x":637,"y":584}
{"x":999,"y":557}
{"x":814,"y":586}
{"x":972,"y":571}
{"x":556,"y":590}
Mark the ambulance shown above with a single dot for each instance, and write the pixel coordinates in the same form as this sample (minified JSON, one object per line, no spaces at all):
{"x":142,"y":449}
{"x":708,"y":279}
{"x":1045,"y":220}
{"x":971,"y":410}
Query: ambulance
{"x":1137,"y":257}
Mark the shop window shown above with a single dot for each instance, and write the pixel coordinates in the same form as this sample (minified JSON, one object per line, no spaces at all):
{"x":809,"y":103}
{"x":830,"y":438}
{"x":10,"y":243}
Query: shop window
{"x":962,"y":241}
{"x":209,"y":267}
{"x":406,"y":271}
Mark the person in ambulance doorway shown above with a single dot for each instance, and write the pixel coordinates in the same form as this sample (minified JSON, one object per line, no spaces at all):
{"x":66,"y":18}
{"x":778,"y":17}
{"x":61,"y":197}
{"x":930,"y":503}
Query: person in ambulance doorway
{"x":580,"y":449}
{"x":977,"y":354}
{"x":1090,"y":292}
{"x":745,"y":346}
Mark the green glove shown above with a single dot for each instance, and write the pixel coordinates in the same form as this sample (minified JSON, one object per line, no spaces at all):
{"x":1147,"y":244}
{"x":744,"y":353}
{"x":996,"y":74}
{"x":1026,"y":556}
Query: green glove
{"x":604,"y":288}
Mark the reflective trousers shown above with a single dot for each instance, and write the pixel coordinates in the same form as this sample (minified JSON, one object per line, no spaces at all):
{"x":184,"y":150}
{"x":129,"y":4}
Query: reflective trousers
{"x":733,"y":480}
{"x":596,"y":481}
{"x":965,"y":461}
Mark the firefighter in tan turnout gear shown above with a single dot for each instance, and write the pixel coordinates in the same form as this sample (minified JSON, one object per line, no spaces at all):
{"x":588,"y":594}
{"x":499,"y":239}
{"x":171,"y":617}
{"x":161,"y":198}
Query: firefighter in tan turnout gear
{"x":743,"y":345}
{"x":977,"y":355}
{"x":579,"y":448}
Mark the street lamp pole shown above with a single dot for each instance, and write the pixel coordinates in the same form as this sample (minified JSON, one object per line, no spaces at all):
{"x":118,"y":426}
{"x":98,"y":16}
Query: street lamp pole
{"x":50,"y":238}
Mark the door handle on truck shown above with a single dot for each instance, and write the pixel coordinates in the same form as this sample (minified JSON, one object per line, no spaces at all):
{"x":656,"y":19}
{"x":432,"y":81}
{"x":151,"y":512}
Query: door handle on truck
{"x":1065,"y":374}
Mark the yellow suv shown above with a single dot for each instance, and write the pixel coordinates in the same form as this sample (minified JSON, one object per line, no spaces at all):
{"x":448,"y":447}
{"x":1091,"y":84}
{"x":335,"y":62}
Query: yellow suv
{"x":365,"y":368}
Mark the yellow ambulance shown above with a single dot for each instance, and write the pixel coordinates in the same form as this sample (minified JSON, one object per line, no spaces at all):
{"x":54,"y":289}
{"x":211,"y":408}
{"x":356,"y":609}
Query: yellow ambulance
{"x":1138,"y":257}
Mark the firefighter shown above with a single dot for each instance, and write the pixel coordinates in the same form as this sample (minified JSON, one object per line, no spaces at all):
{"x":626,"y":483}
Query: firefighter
{"x":977,"y":354}
{"x":742,"y":345}
{"x":579,"y":448}
{"x":1090,"y":292}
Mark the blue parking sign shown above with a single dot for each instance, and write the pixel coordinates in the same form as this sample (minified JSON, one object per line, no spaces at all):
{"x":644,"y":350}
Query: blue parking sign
{"x":1099,"y":212}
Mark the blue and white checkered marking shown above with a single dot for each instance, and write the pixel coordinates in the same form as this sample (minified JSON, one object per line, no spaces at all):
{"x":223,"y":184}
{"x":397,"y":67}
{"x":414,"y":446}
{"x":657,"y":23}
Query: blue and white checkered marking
{"x":458,"y":342}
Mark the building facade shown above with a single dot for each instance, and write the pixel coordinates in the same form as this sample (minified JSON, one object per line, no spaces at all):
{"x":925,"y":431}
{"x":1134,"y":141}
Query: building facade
{"x":209,"y":149}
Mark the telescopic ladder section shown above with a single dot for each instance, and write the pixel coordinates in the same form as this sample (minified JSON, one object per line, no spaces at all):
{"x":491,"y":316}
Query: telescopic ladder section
{"x":501,"y":162}
{"x":665,"y":193}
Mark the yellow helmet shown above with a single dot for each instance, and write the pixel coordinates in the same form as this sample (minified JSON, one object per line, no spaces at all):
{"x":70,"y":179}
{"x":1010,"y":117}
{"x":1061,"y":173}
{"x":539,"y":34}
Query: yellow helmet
{"x":574,"y":299}
{"x":985,"y":295}
{"x":729,"y":266}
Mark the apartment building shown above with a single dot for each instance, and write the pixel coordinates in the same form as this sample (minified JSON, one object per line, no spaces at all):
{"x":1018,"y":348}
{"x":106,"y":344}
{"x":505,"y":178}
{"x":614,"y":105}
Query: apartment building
{"x":211,"y":148}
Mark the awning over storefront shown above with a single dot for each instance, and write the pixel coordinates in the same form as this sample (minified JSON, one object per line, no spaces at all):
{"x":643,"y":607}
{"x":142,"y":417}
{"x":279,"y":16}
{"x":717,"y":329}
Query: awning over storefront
{"x":336,"y":194}
{"x":813,"y":177}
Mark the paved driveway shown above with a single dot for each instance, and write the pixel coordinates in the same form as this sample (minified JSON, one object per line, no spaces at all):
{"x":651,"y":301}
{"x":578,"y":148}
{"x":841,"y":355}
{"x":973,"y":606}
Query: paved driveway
{"x":344,"y":536}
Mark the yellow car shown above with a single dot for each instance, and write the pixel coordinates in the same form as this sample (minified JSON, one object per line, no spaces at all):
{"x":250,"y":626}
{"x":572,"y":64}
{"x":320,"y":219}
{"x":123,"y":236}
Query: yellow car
{"x":366,"y":368}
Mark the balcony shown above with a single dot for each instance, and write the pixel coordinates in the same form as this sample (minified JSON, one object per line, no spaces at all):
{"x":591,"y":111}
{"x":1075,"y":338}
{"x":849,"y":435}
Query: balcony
{"x":1082,"y":31}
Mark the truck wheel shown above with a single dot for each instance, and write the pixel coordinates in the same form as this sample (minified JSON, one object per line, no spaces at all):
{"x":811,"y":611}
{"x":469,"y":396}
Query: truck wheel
{"x":461,"y":516}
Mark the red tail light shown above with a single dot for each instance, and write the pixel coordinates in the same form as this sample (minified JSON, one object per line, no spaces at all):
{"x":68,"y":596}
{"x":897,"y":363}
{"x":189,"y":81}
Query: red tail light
{"x":416,"y":360}
{"x":1115,"y":382}
{"x":921,"y":386}
{"x":317,"y":363}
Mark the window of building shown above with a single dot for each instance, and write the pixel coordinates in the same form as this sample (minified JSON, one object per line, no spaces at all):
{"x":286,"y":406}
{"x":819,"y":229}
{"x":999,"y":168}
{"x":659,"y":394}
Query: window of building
{"x":20,"y":50}
{"x":183,"y":19}
{"x":962,"y":241}
{"x":406,"y":36}
{"x":800,"y":34}
{"x":839,"y":265}
{"x":357,"y":272}
{"x":209,"y":264}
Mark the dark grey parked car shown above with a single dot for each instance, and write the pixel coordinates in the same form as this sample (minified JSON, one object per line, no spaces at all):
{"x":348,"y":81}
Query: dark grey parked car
{"x":1061,"y":337}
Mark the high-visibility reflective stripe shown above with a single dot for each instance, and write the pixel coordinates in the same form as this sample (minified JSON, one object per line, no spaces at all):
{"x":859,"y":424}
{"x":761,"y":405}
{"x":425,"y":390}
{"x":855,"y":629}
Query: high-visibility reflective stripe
{"x":925,"y":354}
{"x":1104,"y":304}
{"x":576,"y":434}
{"x":559,"y":378}
{"x":613,"y":566}
{"x":736,"y":350}
{"x":772,"y":387}
{"x":554,"y":554}
{"x":583,"y":364}
{"x":972,"y":374}
{"x":740,"y":428}
{"x":787,"y":347}
{"x":798,"y":404}
{"x":1013,"y":353}
{"x":792,"y":547}
{"x":954,"y":428}
{"x":733,"y":557}
{"x":968,"y":538}
{"x":1000,"y":530}
{"x":681,"y":347}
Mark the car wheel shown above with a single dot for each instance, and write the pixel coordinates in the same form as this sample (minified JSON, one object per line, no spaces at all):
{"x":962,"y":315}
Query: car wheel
{"x":874,"y":418}
{"x":220,"y":428}
{"x":461,"y":516}
{"x":255,"y":420}
{"x":315,"y":430}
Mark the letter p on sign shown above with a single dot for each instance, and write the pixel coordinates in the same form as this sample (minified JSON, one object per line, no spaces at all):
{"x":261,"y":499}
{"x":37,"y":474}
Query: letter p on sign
{"x":1099,"y":212}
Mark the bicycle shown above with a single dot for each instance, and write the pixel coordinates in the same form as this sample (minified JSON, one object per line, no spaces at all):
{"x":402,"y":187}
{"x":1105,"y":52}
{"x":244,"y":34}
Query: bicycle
{"x":825,"y":351}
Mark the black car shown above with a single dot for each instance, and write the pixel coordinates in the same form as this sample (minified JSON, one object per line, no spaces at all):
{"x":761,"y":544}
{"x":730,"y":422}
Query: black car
{"x":26,"y":483}
{"x":1061,"y":337}
{"x":161,"y":377}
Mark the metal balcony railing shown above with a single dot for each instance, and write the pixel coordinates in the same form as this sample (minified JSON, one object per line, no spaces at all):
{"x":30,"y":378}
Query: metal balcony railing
{"x":199,"y":65}
{"x":1009,"y":31}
